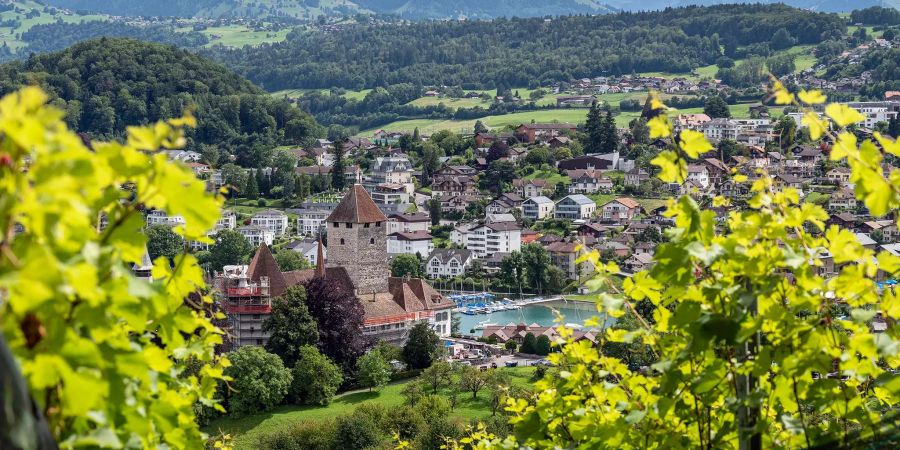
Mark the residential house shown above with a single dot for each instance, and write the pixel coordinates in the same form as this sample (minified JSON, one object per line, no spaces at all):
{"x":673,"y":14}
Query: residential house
{"x":699,"y":174}
{"x":594,"y":230}
{"x":559,"y":142}
{"x":517,"y":333}
{"x":271,"y":219}
{"x":505,"y":203}
{"x":543,"y":132}
{"x":393,"y":170}
{"x":575,"y":207}
{"x":531,"y":188}
{"x":564,"y":256}
{"x":452,"y":180}
{"x":783,"y":180}
{"x":588,"y":181}
{"x":537,"y":208}
{"x":408,"y":222}
{"x":390,"y":194}
{"x":638,"y":262}
{"x":159,"y":217}
{"x":257,"y":235}
{"x":487,"y":239}
{"x":842,"y":199}
{"x":410,"y":243}
{"x":448,"y":262}
{"x":307,"y":248}
{"x":838,"y":175}
{"x":484,"y":140}
{"x":620,"y":210}
{"x":636,"y":176}
{"x":716,"y":170}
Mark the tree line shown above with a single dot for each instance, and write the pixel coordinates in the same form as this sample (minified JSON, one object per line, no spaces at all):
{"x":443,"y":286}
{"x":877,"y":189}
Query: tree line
{"x":519,"y":52}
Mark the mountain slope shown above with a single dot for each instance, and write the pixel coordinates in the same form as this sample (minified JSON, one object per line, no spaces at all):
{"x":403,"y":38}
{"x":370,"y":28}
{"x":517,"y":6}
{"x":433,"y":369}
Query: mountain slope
{"x":108,"y":84}
{"x":414,"y":9}
{"x":812,"y":5}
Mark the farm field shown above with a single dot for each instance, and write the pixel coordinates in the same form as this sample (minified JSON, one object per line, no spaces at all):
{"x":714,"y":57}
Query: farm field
{"x":247,"y":429}
{"x":240,"y":35}
{"x":297,"y":93}
{"x":8,"y":34}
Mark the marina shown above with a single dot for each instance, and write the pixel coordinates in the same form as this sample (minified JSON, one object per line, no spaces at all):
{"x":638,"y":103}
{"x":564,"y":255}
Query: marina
{"x":475,"y":311}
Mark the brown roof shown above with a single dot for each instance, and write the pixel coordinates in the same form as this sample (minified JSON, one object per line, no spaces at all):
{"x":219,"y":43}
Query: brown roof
{"x":264,"y":265}
{"x":418,"y":235}
{"x":357,"y":207}
{"x":627,"y":201}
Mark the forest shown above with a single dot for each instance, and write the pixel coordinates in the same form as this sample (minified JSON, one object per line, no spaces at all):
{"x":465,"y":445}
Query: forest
{"x":56,"y":36}
{"x":107,"y":84}
{"x":521,"y":52}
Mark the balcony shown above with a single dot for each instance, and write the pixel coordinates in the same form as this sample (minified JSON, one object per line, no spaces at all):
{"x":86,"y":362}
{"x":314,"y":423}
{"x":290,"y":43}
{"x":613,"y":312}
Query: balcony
{"x":249,"y":309}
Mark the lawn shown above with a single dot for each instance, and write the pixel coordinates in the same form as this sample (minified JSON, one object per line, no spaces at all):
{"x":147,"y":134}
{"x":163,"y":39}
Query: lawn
{"x":602,"y":199}
{"x":297,"y":93}
{"x":551,"y":176}
{"x":246,"y":429}
{"x":450,"y":102}
{"x":429,"y":126}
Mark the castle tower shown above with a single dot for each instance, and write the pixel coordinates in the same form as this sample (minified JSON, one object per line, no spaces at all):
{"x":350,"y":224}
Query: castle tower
{"x":357,"y":241}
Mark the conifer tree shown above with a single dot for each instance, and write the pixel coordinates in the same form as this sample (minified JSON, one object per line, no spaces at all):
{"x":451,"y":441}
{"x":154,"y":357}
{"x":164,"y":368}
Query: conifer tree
{"x":337,"y":169}
{"x":593,"y":127}
{"x":262,"y":182}
{"x":252,"y":189}
{"x":610,"y":135}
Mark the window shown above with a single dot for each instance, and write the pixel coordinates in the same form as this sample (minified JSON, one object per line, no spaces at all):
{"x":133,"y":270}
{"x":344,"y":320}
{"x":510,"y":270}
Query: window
{"x":377,"y":224}
{"x":342,"y":241}
{"x":335,"y":224}
{"x":365,"y":225}
{"x":372,"y":241}
{"x":349,"y":225}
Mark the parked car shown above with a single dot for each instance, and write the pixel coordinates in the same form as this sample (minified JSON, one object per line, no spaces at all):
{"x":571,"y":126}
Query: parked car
{"x":512,"y":364}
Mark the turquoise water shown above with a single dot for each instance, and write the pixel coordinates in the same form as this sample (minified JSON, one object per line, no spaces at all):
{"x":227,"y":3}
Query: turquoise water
{"x":541,"y":314}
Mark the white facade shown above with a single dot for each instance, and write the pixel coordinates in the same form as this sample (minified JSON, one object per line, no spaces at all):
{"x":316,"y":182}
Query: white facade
{"x":444,"y":263}
{"x":160,"y":217}
{"x":537,"y":208}
{"x":404,"y":224}
{"x":487,"y":239}
{"x":272,"y":220}
{"x":874,"y":111}
{"x":257,"y":235}
{"x":575,"y":207}
{"x":312,"y":222}
{"x":698,"y":174}
{"x":409,"y":243}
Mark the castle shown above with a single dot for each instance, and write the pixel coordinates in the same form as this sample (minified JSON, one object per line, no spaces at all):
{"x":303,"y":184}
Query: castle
{"x":357,"y":261}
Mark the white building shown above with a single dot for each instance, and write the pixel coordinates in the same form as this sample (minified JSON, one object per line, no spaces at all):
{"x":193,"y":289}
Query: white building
{"x":536,"y":208}
{"x":309,"y":249}
{"x":257,"y":235}
{"x":160,"y":217}
{"x":699,"y":174}
{"x":575,"y":207}
{"x":272,"y":220}
{"x":486,"y":239}
{"x":394,"y":170}
{"x":311,"y":222}
{"x":408,"y":223}
{"x":874,"y":111}
{"x":411,"y":243}
{"x":448,"y":262}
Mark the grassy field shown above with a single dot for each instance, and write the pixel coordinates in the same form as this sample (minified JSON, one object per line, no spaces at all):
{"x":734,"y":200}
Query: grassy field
{"x":247,"y":429}
{"x":551,"y":176}
{"x":297,"y":93}
{"x":241,"y":35}
{"x":8,"y":34}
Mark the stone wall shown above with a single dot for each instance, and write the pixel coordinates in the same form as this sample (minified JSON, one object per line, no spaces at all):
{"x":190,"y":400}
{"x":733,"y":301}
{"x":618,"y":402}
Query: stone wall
{"x":363,"y":254}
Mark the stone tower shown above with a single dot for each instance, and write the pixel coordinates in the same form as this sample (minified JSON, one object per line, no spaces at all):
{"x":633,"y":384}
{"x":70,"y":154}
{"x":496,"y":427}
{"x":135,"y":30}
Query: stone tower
{"x":357,"y":241}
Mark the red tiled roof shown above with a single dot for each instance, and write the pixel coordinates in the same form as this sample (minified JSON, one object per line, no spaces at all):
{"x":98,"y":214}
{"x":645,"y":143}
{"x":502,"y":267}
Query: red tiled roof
{"x":357,"y":207}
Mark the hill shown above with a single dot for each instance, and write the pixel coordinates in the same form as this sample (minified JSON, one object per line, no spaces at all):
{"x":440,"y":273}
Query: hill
{"x":521,"y":52}
{"x":108,"y":84}
{"x":812,"y":5}
{"x":413,"y":9}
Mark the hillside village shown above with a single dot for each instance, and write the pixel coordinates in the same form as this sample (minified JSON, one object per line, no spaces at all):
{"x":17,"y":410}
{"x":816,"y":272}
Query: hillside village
{"x":464,"y":217}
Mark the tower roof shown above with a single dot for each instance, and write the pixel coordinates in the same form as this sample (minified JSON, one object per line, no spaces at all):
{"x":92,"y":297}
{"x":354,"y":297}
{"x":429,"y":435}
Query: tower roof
{"x":264,"y":265}
{"x":357,"y":207}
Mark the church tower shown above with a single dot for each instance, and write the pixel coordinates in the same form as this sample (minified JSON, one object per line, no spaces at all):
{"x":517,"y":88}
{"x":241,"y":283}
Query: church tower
{"x":357,"y":241}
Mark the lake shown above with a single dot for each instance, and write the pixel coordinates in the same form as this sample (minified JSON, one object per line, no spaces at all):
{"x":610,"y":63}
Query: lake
{"x":541,"y":314}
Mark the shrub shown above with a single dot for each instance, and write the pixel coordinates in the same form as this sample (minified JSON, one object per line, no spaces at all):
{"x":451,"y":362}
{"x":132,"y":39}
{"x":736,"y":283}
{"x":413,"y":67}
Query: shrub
{"x":261,"y":203}
{"x":437,"y":431}
{"x":316,"y":378}
{"x":355,"y":431}
{"x":405,"y":421}
{"x":306,"y":435}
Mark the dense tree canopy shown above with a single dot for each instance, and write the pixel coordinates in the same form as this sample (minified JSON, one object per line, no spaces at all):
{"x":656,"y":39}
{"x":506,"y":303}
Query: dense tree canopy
{"x":339,"y":315}
{"x":107,"y":84}
{"x":291,"y":326}
{"x":519,"y":52}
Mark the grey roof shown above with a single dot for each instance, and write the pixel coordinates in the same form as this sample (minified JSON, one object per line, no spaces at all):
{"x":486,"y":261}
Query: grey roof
{"x":446,"y":254}
{"x":540,"y":200}
{"x":580,"y":199}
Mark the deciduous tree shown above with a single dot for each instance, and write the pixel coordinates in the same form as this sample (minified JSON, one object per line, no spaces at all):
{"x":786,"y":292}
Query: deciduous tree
{"x":290,"y":325}
{"x":373,"y":370}
{"x":260,"y":380}
{"x":422,"y":347}
{"x":315,"y":377}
